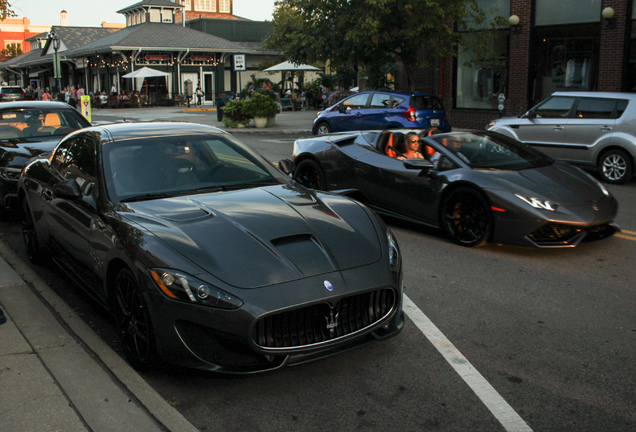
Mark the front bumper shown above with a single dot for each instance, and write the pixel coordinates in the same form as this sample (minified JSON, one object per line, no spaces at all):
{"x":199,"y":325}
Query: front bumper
{"x":280,"y":325}
{"x":567,"y":227}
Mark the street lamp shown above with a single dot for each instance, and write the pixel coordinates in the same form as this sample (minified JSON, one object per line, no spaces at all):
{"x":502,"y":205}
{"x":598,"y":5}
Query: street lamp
{"x":56,"y":66}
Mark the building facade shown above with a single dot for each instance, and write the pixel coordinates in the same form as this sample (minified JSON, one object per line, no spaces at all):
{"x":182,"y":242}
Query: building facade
{"x":570,"y":45}
{"x":98,"y":58}
{"x":16,"y":31}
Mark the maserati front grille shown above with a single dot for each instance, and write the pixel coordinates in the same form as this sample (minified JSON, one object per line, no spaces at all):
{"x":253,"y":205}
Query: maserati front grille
{"x":320,"y":323}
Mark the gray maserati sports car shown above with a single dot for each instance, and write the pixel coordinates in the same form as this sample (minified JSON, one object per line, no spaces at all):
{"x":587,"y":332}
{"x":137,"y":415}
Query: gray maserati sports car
{"x":478,"y":187}
{"x":207,"y":255}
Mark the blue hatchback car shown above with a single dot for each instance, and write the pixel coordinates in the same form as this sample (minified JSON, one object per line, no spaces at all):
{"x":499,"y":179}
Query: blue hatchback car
{"x":382,"y":109}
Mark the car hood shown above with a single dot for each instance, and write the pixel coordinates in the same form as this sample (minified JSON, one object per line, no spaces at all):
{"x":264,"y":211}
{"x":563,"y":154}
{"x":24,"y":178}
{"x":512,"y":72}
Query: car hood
{"x":15,"y":153}
{"x":263,"y":236}
{"x":559,"y":183}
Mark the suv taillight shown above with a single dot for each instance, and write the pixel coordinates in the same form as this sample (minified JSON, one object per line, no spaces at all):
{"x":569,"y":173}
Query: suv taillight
{"x":410,"y":114}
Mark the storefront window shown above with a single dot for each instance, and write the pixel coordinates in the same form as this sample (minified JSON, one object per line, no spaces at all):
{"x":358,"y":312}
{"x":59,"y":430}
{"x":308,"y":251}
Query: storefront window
{"x":549,"y":12}
{"x":479,"y":84}
{"x":566,"y":59}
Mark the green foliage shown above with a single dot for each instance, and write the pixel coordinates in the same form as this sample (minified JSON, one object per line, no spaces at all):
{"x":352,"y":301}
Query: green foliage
{"x":374,"y":34}
{"x":12,"y":50}
{"x":267,"y":92}
{"x":235,"y":113}
{"x":261,"y":105}
{"x":5,"y":10}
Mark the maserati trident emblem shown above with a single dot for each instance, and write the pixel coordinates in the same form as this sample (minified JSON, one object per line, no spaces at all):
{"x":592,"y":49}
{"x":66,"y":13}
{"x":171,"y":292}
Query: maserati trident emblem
{"x":328,"y":285}
{"x":332,"y":321}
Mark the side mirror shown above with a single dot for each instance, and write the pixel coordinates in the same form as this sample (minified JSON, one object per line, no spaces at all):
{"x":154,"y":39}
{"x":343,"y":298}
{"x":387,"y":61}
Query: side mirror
{"x":287,"y":166}
{"x":343,"y":109}
{"x":68,"y":189}
{"x":530,"y":114}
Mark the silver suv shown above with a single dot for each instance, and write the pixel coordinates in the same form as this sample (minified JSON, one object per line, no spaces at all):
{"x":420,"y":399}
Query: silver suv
{"x":11,"y":93}
{"x":584,"y":128}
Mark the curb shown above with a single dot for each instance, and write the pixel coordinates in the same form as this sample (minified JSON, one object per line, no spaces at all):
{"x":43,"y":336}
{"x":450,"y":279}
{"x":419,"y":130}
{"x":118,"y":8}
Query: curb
{"x":119,"y":371}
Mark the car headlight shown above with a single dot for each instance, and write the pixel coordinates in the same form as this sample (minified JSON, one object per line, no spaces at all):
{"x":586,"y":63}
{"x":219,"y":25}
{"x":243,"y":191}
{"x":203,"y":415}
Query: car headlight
{"x":538,"y":203}
{"x":186,"y":288}
{"x":10,"y":174}
{"x":601,"y":187}
{"x":395,"y":260}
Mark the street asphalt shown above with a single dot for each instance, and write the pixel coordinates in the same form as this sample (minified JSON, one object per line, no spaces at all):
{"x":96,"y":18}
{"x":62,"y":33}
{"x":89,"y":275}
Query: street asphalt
{"x":56,"y":374}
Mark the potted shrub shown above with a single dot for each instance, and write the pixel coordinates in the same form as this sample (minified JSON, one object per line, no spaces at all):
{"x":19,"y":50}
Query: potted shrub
{"x":261,"y":107}
{"x":235,"y":113}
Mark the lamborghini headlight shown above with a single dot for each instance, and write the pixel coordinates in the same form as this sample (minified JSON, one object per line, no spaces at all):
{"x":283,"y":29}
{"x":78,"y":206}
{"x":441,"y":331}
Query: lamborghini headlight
{"x":602,"y":188}
{"x":395,"y":260}
{"x":187,"y":288}
{"x":538,"y":203}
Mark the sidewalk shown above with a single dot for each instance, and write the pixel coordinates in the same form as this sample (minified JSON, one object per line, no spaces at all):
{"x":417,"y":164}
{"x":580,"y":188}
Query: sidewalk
{"x":56,"y":374}
{"x":287,"y":122}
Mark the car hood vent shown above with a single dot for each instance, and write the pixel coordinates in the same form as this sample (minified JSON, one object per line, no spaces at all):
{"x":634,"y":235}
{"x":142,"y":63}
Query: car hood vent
{"x":262,"y":236}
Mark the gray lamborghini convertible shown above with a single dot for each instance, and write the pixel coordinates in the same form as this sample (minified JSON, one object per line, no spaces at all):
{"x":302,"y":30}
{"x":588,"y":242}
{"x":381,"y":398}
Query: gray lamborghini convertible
{"x":478,"y":187}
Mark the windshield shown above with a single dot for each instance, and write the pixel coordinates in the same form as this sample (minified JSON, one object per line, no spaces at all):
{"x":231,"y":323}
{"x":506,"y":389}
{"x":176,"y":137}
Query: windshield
{"x":38,"y":123}
{"x":491,"y":151}
{"x":149,"y":168}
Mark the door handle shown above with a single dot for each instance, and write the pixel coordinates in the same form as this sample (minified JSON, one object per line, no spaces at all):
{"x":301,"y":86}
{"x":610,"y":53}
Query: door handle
{"x":606,"y":128}
{"x":47,"y":194}
{"x":558,"y":128}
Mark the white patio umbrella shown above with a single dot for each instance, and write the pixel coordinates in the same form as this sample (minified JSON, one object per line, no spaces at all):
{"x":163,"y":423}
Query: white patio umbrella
{"x":288,"y":66}
{"x":145,"y":72}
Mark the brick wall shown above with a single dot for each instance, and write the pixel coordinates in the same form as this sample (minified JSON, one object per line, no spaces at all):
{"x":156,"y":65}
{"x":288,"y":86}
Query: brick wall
{"x":612,"y":48}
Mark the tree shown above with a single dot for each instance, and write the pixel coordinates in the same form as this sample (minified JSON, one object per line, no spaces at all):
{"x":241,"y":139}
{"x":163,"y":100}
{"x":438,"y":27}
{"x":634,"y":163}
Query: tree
{"x":12,"y":50}
{"x":376,"y":34}
{"x":5,"y":10}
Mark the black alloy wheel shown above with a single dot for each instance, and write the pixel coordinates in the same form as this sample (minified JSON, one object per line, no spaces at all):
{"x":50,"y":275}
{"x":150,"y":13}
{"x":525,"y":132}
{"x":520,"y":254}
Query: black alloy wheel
{"x":466,"y":217}
{"x":132,"y":321}
{"x":615,"y":167}
{"x":30,"y":236}
{"x":309,"y":174}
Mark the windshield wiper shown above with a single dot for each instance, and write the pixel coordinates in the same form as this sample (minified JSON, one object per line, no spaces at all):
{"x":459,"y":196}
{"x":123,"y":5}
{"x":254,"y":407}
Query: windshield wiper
{"x":146,"y":197}
{"x":248,"y":185}
{"x":204,"y":189}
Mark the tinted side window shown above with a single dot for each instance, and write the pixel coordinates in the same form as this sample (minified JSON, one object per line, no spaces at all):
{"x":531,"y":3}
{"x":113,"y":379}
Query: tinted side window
{"x":554,"y":107}
{"x":356,"y":102}
{"x":397,"y":101}
{"x":621,"y":106}
{"x":380,"y":100}
{"x":594,"y":108}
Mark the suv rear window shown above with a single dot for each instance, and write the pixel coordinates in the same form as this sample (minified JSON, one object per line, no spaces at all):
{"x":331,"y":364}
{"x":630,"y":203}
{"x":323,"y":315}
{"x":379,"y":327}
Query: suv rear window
{"x":595,"y":108}
{"x":11,"y":90}
{"x":425,"y":103}
{"x":621,"y":106}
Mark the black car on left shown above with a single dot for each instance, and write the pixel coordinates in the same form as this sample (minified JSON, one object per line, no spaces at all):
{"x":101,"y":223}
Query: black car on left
{"x":207,"y":255}
{"x":28,"y":129}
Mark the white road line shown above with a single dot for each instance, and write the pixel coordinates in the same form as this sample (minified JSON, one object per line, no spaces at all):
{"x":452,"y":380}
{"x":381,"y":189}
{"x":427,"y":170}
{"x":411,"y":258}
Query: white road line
{"x":509,"y":419}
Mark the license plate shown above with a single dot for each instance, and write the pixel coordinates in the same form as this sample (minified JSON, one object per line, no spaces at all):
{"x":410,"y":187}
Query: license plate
{"x":434,"y":122}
